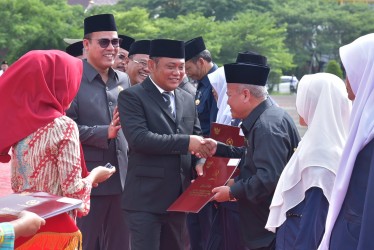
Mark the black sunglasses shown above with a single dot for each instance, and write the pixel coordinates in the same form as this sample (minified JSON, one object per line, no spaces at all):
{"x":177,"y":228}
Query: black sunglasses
{"x":104,"y":42}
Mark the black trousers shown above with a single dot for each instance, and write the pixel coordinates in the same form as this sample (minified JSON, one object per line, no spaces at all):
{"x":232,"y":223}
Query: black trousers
{"x":104,"y":227}
{"x":151,"y":231}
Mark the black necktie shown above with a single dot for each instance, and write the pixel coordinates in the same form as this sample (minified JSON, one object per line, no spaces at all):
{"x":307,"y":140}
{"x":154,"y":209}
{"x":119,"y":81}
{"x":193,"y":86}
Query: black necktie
{"x":167,"y":98}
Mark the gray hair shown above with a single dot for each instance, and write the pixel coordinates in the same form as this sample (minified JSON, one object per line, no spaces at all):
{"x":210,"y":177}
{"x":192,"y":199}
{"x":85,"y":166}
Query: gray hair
{"x":259,"y":92}
{"x":205,"y":54}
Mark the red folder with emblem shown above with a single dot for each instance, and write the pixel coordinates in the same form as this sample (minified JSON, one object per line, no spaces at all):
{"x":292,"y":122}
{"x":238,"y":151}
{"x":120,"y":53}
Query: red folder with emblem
{"x":43,"y":204}
{"x":227,"y":134}
{"x":217,"y":171}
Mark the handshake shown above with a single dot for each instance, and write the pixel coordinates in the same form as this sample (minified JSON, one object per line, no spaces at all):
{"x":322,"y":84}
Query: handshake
{"x":202,"y":147}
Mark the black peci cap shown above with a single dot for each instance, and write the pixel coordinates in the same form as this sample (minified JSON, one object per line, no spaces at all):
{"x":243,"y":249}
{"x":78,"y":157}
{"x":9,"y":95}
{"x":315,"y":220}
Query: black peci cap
{"x":75,"y":49}
{"x":140,"y":47}
{"x":126,"y":42}
{"x":193,"y":47}
{"x":251,"y":58}
{"x":246,"y":73}
{"x":102,"y":22}
{"x":166,"y":48}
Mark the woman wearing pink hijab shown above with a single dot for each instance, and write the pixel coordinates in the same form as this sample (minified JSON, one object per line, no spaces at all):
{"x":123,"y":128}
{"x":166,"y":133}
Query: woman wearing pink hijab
{"x":350,"y":219}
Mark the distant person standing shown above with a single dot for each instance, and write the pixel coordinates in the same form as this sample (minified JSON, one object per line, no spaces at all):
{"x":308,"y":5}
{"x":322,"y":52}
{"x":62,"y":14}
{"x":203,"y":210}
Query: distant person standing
{"x":137,"y":63}
{"x":198,"y":65}
{"x":4,"y":67}
{"x":94,"y":109}
{"x":122,"y":58}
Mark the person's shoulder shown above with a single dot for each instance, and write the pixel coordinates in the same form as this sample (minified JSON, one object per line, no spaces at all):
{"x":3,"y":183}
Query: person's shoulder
{"x":188,"y":87}
{"x":132,"y":90}
{"x":59,"y":128}
{"x":64,"y":121}
{"x":274,"y":114}
{"x":123,"y":78}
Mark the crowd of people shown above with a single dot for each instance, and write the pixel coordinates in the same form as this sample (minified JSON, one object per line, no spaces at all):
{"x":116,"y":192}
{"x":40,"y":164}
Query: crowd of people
{"x":147,"y":107}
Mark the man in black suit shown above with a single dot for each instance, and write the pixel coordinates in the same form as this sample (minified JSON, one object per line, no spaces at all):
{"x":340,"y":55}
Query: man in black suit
{"x":161,"y":129}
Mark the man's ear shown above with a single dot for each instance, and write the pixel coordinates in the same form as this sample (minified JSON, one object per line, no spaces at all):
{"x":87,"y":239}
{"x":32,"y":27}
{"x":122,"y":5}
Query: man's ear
{"x":247,"y":95}
{"x":85,"y":44}
{"x":151,"y":65}
{"x":201,"y":61}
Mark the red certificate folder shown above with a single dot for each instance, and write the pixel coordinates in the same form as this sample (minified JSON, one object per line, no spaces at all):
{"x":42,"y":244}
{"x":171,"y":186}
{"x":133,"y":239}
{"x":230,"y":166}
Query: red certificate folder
{"x":227,"y":134}
{"x":217,"y":171}
{"x":43,"y":204}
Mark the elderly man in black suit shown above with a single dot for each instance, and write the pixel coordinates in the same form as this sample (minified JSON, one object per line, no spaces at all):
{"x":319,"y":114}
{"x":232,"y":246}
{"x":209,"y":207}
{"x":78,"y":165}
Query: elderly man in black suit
{"x":161,"y":126}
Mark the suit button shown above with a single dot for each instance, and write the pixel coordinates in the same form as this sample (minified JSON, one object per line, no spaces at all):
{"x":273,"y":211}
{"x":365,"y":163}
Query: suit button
{"x":181,"y":170}
{"x":178,"y":131}
{"x":107,"y":89}
{"x":110,"y":103}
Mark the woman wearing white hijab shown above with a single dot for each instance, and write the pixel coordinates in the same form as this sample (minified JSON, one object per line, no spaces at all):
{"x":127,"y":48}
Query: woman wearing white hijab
{"x":218,"y":81}
{"x":301,"y":199}
{"x":350,"y":220}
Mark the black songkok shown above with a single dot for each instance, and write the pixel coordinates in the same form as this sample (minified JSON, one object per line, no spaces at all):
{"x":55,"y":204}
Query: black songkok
{"x":167,"y":48}
{"x":102,"y":22}
{"x":194,"y":47}
{"x":246,"y":73}
{"x":126,"y":42}
{"x":75,"y":49}
{"x":140,"y":47}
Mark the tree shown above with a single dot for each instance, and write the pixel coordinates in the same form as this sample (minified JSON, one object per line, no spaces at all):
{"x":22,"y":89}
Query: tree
{"x":316,"y":29}
{"x":30,"y":25}
{"x":333,"y":67}
{"x":256,"y":32}
{"x":220,"y":9}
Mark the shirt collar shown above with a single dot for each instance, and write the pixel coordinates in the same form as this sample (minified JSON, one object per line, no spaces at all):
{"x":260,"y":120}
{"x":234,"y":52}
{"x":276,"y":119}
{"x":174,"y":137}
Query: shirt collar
{"x":160,"y":89}
{"x":205,"y":80}
{"x":91,"y":72}
{"x":250,"y":120}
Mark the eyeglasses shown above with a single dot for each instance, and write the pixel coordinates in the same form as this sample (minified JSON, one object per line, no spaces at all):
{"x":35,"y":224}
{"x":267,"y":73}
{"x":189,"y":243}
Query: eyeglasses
{"x":104,"y":42}
{"x":141,"y":63}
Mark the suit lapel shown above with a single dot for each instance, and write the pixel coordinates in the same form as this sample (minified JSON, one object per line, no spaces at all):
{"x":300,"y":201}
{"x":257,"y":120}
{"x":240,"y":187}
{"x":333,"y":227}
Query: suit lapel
{"x":156,"y":96}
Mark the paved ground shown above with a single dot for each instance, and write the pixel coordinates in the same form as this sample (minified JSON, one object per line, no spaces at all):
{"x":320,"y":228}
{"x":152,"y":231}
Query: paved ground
{"x":288,"y":102}
{"x":285,"y":101}
{"x":5,"y":179}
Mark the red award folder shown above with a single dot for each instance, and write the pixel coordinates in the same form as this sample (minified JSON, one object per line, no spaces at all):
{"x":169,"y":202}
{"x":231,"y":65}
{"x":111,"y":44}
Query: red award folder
{"x":217,"y":171}
{"x":43,"y":204}
{"x":227,"y":134}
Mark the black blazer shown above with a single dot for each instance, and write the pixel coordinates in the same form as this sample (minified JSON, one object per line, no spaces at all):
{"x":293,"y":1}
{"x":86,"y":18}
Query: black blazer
{"x":159,"y":167}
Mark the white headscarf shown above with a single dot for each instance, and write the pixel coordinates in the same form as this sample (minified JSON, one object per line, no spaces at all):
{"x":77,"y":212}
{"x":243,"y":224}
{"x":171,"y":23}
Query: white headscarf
{"x":218,"y":81}
{"x":358,"y":60}
{"x":322,"y":101}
